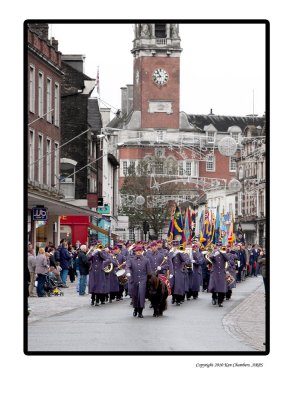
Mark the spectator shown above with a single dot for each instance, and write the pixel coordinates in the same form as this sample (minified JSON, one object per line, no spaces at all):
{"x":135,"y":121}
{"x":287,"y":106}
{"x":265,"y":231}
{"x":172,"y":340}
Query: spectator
{"x":31,"y":268}
{"x":84,"y":269}
{"x":65,"y":258}
{"x":41,"y":270}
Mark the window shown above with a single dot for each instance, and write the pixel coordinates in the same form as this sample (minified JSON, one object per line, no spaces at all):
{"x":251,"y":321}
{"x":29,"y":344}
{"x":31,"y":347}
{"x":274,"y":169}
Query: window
{"x":180,"y":168}
{"x":48,"y":162}
{"x":125,"y":168}
{"x":160,"y":30}
{"x":31,"y":156}
{"x":56,"y":104}
{"x":159,"y":168}
{"x":188,"y":168}
{"x":210,"y":137}
{"x":235,"y":135}
{"x":131,"y":168}
{"x":56,"y":163}
{"x":233,"y":164}
{"x":210,"y":162}
{"x":40,"y":159}
{"x":160,"y":136}
{"x":40,"y":94}
{"x":48,"y":100}
{"x":195,"y":170}
{"x":240,"y":203}
{"x":31,"y":88}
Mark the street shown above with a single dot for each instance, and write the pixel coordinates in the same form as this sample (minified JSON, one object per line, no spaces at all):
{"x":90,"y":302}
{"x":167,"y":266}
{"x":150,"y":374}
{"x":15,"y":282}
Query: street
{"x":69,"y":323}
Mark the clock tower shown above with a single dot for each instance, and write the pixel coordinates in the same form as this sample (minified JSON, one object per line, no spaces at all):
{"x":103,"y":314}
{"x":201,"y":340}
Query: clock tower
{"x":156,"y":51}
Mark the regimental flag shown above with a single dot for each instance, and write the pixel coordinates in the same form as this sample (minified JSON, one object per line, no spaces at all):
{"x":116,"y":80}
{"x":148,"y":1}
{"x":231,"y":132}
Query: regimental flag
{"x":193,"y":222}
{"x":216,"y":237}
{"x":231,"y":235}
{"x":175,"y":231}
{"x":97,"y":85}
{"x":240,"y":237}
{"x":206,"y":230}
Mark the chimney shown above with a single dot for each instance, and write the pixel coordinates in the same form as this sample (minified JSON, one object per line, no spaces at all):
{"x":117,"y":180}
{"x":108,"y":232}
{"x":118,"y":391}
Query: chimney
{"x":40,"y":29}
{"x":124,"y":100}
{"x":76,"y":61}
{"x":105,"y":113}
{"x":54,"y":43}
{"x":129,"y":98}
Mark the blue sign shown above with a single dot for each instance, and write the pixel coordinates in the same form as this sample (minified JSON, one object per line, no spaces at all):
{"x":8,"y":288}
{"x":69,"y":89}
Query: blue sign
{"x":39,"y":214}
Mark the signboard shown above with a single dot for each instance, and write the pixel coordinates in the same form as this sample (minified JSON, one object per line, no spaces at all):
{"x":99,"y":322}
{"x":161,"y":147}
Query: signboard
{"x":39,"y":214}
{"x":104,"y":210}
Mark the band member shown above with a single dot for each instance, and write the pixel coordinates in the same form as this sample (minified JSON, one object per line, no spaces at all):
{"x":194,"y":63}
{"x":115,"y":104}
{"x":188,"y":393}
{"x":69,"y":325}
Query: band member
{"x":113,"y":279}
{"x":98,"y":286}
{"x":231,"y":257}
{"x":161,"y":248}
{"x":137,"y":268}
{"x":178,"y":283}
{"x":195,"y":273}
{"x":120,"y":261}
{"x":217,"y":281}
{"x":159,"y":261}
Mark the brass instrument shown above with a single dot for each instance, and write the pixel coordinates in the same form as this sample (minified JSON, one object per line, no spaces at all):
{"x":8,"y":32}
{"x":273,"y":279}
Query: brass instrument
{"x":165,"y":258}
{"x":223,"y":249}
{"x":108,"y":267}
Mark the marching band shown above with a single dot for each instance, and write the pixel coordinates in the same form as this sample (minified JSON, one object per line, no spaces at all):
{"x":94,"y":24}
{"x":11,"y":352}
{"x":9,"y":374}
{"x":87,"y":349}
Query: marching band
{"x":122,"y":270}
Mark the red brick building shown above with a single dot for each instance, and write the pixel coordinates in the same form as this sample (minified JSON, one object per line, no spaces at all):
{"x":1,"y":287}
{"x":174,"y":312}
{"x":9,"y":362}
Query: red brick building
{"x":188,"y":148}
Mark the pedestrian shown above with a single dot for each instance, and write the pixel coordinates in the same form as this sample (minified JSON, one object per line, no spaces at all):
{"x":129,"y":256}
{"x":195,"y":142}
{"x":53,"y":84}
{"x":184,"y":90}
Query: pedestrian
{"x":263,"y":268}
{"x":83,"y":264}
{"x":65,"y":259}
{"x":241,"y":262}
{"x":71,"y":270}
{"x":31,"y":268}
{"x":253,"y":260}
{"x":137,"y":268}
{"x":217,"y":281}
{"x":41,"y":270}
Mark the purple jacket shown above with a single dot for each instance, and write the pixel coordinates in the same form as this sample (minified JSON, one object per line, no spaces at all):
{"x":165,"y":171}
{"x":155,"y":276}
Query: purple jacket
{"x":138,"y":267}
{"x":98,"y":279}
{"x":180,"y":279}
{"x":217,"y":279}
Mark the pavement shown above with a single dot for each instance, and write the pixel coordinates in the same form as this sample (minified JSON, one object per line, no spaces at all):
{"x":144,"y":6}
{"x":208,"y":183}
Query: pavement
{"x":243,"y":320}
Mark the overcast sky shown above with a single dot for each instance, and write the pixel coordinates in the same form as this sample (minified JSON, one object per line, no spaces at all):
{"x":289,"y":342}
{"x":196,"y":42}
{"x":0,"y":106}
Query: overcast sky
{"x":222,"y":65}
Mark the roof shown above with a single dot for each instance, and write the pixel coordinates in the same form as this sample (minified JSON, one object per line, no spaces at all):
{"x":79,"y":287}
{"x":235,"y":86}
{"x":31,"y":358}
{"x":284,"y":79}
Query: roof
{"x":223,"y":122}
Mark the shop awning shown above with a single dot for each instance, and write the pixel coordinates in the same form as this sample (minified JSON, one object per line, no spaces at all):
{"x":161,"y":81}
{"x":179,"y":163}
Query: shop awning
{"x":57,"y":207}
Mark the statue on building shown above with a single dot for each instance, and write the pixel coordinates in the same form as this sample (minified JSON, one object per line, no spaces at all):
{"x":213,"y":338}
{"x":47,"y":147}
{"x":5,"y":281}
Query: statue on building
{"x":174,"y":31}
{"x":145,"y":30}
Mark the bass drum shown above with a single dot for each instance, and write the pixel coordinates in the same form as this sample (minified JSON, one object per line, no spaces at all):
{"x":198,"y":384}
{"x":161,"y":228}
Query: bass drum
{"x":121,"y":275}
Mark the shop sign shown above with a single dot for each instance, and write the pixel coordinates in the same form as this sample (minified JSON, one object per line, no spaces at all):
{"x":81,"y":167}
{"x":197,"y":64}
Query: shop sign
{"x":39,"y":214}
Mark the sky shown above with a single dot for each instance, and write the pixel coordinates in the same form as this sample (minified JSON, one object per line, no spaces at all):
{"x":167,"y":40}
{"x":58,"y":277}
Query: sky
{"x":222,"y":65}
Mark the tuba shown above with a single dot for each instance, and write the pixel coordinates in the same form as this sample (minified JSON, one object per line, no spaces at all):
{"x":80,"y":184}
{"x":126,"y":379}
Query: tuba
{"x":108,"y":267}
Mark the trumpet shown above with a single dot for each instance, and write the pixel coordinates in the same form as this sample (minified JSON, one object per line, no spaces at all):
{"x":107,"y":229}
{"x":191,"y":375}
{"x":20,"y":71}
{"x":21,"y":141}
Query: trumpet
{"x":165,"y":258}
{"x":223,"y":249}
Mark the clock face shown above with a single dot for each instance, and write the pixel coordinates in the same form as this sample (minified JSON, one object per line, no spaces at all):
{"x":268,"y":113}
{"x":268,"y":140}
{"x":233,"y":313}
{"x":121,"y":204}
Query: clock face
{"x":160,"y":76}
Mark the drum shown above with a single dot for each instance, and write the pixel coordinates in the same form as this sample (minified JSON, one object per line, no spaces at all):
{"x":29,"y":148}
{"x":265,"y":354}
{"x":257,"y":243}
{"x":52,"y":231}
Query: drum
{"x":121,"y":275}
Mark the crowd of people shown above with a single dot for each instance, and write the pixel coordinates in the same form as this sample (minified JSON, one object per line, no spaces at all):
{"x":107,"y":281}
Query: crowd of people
{"x":108,"y":273}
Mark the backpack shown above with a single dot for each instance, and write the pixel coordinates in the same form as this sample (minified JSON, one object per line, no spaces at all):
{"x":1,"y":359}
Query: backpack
{"x":57,"y":255}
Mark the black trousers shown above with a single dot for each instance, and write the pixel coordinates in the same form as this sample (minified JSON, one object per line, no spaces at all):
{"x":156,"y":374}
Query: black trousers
{"x":220,"y":296}
{"x":98,"y":297}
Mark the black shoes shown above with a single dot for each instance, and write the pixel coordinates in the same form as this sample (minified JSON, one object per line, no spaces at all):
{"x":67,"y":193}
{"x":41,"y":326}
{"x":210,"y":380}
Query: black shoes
{"x":220,"y":305}
{"x":140,"y":316}
{"x":213,"y":302}
{"x":135,"y":313}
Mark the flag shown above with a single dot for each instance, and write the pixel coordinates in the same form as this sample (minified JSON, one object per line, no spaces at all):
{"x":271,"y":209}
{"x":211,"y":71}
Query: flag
{"x":97,"y":85}
{"x":187,"y":225}
{"x":175,"y":230}
{"x":231,"y":235}
{"x":240,"y":234}
{"x":217,"y":227}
